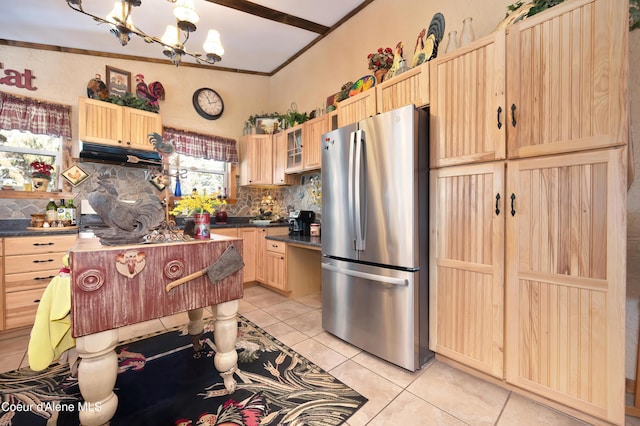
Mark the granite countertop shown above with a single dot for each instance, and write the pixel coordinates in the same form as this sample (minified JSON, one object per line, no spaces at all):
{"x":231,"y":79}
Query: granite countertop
{"x":298,"y":239}
{"x":18,"y":228}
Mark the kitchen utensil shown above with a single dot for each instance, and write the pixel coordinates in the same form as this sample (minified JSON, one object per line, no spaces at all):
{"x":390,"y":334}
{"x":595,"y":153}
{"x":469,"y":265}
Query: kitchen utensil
{"x":228,"y":263}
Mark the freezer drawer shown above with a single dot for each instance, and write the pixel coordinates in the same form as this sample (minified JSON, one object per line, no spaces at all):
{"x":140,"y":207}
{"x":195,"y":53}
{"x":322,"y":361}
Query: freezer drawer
{"x":382,"y":311}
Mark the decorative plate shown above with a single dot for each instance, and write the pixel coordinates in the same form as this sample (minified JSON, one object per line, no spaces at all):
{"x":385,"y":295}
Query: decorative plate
{"x":364,"y":83}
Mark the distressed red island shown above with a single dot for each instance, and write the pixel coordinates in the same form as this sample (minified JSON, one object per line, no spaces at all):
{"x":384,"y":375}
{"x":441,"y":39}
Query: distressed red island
{"x":116,"y":286}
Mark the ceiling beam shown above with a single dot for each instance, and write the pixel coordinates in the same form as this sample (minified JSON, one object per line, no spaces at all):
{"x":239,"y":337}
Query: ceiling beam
{"x":272,"y":15}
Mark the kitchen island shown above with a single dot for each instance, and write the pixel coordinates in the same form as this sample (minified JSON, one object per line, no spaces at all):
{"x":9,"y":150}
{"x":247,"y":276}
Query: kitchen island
{"x":116,"y":286}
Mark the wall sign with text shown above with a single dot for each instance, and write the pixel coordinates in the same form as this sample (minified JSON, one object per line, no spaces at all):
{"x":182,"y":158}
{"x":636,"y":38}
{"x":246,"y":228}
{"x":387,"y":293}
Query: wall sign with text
{"x":22,"y":80}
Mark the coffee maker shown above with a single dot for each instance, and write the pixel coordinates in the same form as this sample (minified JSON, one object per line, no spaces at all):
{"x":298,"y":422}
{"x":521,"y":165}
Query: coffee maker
{"x":300,"y":222}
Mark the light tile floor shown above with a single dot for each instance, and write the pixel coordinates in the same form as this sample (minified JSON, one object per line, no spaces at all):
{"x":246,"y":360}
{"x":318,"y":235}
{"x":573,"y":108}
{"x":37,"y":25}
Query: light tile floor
{"x":437,"y":394}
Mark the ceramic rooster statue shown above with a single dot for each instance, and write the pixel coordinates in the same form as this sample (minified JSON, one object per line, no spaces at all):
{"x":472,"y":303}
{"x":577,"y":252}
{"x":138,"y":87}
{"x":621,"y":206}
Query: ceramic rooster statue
{"x":152,"y":93}
{"x":397,"y":58}
{"x":418,"y":52}
{"x":128,"y":222}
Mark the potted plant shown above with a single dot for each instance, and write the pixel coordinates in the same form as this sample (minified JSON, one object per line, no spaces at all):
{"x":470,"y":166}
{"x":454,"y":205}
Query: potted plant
{"x":40,"y":175}
{"x":198,"y":208}
{"x":380,"y":62}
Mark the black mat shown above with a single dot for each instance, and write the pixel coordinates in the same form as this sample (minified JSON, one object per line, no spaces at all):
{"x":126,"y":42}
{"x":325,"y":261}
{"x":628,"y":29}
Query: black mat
{"x":163,"y":381}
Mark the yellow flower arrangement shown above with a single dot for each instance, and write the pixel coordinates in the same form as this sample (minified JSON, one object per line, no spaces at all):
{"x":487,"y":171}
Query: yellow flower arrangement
{"x":197,"y":203}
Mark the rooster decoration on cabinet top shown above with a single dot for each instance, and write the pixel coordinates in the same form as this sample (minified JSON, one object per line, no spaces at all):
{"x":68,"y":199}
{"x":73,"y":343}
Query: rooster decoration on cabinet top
{"x":152,"y":93}
{"x":397,"y":58}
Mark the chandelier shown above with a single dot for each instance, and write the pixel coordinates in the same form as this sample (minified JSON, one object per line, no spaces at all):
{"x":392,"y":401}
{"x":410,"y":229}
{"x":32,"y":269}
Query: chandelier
{"x":174,"y":38}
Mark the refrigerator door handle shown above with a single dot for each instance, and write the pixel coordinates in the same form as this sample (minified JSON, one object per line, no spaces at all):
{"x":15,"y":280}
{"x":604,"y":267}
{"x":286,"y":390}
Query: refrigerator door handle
{"x":351,"y":185}
{"x":367,"y":276}
{"x":360,"y":190}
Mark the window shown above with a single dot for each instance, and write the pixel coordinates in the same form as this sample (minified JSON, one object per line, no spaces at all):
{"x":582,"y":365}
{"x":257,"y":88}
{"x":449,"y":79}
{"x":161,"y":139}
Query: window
{"x":205,"y":176}
{"x":20,"y":149}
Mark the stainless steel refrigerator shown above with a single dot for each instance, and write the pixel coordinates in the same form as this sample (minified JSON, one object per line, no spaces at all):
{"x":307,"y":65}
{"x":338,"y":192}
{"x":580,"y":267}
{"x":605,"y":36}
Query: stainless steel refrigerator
{"x":375,"y":238}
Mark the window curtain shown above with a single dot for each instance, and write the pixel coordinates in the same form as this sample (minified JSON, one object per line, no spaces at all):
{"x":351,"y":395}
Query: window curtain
{"x":202,"y":146}
{"x":35,"y":116}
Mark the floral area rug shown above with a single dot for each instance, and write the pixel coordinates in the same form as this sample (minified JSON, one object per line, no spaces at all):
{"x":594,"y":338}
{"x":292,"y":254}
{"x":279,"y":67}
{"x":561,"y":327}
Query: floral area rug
{"x":162,"y":380}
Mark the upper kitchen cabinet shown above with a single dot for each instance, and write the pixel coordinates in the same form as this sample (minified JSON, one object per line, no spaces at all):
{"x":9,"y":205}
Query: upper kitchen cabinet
{"x":357,"y":108}
{"x":312,"y":142}
{"x":567,"y":79}
{"x":303,"y":145}
{"x":110,"y":124}
{"x":256,"y":160}
{"x":294,"y":149}
{"x":468,"y":120}
{"x":410,"y":87}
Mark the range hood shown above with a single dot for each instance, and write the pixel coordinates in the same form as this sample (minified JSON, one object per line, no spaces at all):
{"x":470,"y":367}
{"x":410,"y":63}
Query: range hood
{"x":116,"y":155}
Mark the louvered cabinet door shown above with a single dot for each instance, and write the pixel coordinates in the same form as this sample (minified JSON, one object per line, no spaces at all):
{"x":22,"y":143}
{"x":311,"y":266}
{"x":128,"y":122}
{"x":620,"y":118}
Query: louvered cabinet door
{"x":468,"y":103}
{"x":466,"y":265}
{"x":565,"y":282}
{"x":567,"y":79}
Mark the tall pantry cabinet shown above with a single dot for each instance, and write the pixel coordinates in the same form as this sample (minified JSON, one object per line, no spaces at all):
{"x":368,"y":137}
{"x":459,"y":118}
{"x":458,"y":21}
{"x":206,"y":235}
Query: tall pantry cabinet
{"x":534,"y":154}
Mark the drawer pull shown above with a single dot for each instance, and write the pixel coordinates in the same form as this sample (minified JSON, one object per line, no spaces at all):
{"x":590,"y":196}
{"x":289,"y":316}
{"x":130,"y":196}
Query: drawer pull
{"x":274,"y":245}
{"x":43,"y":244}
{"x":43,"y":261}
{"x":45,"y":278}
{"x":36,"y":301}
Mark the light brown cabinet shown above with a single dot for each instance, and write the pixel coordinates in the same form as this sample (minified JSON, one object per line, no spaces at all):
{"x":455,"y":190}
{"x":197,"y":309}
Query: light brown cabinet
{"x":312,"y":132}
{"x":467,"y":103}
{"x":357,"y":108}
{"x":29,"y":264}
{"x":527,"y":262}
{"x":467,"y":265}
{"x":566,"y":71}
{"x":256,"y":160}
{"x":261,"y":251}
{"x":565,"y":274}
{"x":294,"y":149}
{"x":276,"y":263}
{"x":410,"y":87}
{"x":110,"y":124}
{"x":249,"y":248}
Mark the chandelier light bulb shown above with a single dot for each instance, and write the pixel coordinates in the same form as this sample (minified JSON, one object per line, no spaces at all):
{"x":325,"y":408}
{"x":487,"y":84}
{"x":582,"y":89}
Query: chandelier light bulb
{"x":171,"y":36}
{"x":119,"y":13}
{"x":184,"y":11}
{"x":213,"y":44}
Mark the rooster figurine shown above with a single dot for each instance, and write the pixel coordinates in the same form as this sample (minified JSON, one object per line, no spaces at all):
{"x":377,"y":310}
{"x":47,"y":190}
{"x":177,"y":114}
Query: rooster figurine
{"x":397,"y":58}
{"x":418,"y":52}
{"x":152,"y":93}
{"x":128,"y":222}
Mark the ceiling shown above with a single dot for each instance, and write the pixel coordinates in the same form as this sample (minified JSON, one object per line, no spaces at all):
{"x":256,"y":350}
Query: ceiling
{"x":259,"y":36}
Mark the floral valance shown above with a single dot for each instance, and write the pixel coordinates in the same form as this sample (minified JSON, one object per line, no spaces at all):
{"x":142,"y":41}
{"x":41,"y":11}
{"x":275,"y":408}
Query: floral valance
{"x":35,"y":116}
{"x":202,"y":146}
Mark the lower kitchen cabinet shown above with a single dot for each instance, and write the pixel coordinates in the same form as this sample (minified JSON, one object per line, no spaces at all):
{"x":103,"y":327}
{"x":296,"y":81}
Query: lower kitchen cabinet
{"x":248,"y":236}
{"x":276,"y":262}
{"x":249,"y":243}
{"x":261,"y":250}
{"x":540,"y":254}
{"x":566,"y":271}
{"x":466,"y":265}
{"x":29,"y":264}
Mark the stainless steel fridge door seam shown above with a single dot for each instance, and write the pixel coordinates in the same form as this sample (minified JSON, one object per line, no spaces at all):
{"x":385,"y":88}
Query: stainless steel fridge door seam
{"x":351,"y":185}
{"x":367,"y":276}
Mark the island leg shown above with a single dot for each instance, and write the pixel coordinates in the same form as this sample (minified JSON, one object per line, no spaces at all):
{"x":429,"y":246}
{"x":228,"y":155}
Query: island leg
{"x":97,"y":374}
{"x":225,"y":334}
{"x":195,"y":327}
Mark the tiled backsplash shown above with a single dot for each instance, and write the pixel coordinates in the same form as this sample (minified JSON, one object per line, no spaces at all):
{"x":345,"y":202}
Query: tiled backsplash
{"x":132,"y":184}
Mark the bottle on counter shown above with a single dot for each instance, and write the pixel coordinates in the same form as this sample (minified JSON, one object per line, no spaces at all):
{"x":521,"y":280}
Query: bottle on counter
{"x":62,"y":211}
{"x":71,"y":209}
{"x":51,"y":213}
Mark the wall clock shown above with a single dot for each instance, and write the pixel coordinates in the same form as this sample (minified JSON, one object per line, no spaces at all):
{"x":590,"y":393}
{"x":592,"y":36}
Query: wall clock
{"x":208,"y":103}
